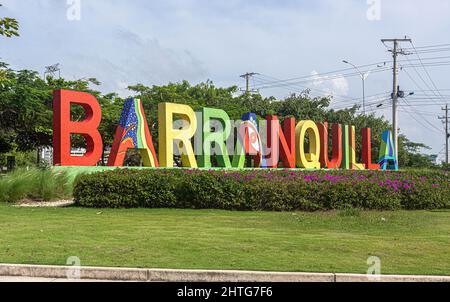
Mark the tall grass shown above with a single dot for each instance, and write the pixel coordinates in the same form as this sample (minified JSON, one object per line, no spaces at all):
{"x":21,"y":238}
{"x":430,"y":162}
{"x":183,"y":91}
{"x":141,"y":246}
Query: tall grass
{"x":35,"y":184}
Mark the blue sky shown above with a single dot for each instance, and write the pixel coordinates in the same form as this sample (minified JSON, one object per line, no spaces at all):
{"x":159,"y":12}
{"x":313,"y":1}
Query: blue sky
{"x":153,"y":42}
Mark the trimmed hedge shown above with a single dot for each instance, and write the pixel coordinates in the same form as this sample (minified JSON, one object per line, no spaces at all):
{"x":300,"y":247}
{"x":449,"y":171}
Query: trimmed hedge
{"x":272,"y":190}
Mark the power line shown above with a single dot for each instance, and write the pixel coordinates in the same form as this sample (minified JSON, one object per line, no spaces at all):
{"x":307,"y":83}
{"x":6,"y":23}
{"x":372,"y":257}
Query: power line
{"x":349,"y":100}
{"x":293,"y":89}
{"x":442,"y":89}
{"x":302,"y":88}
{"x":433,"y":127}
{"x":419,"y":112}
{"x":334,"y":73}
{"x":421,"y":98}
{"x":432,"y":51}
{"x":428,"y":59}
{"x":374,"y":97}
{"x":327,"y":93}
{"x":431,"y":46}
{"x":374,"y":102}
{"x":426,"y":71}
{"x":414,"y":114}
{"x":314,"y":78}
{"x":419,"y":86}
{"x":433,"y":64}
{"x":419,"y":105}
{"x":269,"y":82}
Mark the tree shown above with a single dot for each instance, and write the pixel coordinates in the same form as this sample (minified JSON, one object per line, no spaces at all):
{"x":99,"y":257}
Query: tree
{"x":411,"y":156}
{"x":26,"y":114}
{"x":25,"y":117}
{"x":9,"y":27}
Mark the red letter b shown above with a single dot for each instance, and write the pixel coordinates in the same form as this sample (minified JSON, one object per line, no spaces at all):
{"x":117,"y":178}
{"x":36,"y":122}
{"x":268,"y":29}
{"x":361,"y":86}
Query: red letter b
{"x":63,"y":127}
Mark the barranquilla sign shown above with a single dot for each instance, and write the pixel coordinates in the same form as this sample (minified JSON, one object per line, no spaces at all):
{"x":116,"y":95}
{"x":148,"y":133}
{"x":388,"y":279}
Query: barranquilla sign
{"x":209,"y":136}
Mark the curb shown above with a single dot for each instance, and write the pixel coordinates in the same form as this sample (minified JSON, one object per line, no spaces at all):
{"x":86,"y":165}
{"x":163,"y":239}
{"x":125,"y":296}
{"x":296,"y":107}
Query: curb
{"x":389,"y":278}
{"x":168,"y":275}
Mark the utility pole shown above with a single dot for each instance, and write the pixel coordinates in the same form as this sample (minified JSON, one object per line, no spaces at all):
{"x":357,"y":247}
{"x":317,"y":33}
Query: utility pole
{"x":447,"y":135}
{"x":247,"y":78}
{"x":395,"y":52}
{"x":52,"y":70}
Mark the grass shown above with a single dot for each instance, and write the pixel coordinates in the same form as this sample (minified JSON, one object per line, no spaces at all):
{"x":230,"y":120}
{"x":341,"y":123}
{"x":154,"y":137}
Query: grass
{"x":416,"y":242}
{"x":37,"y":184}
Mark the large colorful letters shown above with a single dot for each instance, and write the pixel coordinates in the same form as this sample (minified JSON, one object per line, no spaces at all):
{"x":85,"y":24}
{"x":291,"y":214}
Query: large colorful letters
{"x":305,"y":145}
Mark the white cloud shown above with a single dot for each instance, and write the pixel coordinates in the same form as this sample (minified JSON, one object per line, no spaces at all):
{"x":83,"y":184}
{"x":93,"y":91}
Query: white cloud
{"x":340,"y":85}
{"x":331,"y":85}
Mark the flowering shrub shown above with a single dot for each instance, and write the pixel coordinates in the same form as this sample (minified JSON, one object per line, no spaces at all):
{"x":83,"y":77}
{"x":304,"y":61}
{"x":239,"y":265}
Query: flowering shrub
{"x":273,"y":190}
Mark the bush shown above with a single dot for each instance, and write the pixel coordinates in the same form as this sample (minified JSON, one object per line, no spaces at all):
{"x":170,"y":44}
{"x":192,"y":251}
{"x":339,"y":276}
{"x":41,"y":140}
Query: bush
{"x":274,"y":190}
{"x":35,"y":184}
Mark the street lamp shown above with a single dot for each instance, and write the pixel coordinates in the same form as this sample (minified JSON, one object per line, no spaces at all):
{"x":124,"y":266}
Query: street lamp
{"x":363,"y":78}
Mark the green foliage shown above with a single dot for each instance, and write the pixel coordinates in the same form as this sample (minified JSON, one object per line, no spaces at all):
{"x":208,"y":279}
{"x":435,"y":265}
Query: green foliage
{"x":411,"y":156}
{"x":25,"y":113}
{"x":446,"y":167}
{"x":34,"y":184}
{"x":273,"y":190}
{"x":9,"y":27}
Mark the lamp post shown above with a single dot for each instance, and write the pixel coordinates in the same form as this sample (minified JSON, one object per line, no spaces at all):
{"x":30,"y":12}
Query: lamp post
{"x":363,"y":78}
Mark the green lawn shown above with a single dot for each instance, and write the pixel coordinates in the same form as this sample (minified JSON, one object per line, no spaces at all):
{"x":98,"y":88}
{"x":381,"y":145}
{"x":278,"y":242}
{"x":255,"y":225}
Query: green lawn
{"x":407,"y":242}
